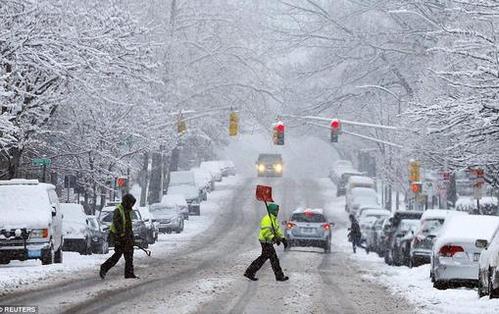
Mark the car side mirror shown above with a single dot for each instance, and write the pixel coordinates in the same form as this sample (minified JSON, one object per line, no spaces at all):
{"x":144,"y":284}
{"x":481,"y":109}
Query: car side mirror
{"x":54,"y":211}
{"x":481,"y":244}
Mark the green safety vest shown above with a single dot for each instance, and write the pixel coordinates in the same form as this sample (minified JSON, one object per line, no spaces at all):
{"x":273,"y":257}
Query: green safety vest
{"x":267,"y":232}
{"x":121,"y":210}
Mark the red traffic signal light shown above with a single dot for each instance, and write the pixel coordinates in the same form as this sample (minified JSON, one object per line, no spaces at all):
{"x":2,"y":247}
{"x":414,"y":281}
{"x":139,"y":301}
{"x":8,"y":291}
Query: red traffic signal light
{"x":416,"y":187}
{"x":335,"y":124}
{"x":278,"y":133}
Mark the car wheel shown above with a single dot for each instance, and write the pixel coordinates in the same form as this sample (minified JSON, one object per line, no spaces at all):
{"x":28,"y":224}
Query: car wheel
{"x":440,"y":285}
{"x":327,"y":247}
{"x":493,"y":293}
{"x":4,"y":261}
{"x":168,"y":230}
{"x":58,"y":256}
{"x":48,"y":255}
{"x":480,"y":288}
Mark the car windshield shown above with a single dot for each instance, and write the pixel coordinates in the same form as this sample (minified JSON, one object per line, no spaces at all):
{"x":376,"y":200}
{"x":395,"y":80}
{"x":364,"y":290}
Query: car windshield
{"x":407,"y":225}
{"x":432,"y":226}
{"x":269,"y":158}
{"x":308,"y":217}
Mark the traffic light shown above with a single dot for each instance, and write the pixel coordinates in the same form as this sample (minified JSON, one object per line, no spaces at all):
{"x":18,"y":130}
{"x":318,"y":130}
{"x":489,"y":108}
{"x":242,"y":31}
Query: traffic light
{"x":181,"y":126}
{"x":416,"y":187}
{"x":122,"y":182}
{"x":278,"y":133}
{"x":335,"y":130}
{"x":233,"y":123}
{"x":414,"y":170}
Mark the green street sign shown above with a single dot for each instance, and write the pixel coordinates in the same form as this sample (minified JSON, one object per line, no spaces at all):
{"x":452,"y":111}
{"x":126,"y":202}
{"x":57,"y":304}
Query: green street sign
{"x":41,"y":162}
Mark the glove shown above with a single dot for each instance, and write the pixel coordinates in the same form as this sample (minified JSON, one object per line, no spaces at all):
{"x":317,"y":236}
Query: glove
{"x":285,"y":243}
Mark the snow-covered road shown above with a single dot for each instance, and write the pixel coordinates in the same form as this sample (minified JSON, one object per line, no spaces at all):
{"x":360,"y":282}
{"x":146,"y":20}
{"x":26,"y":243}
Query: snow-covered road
{"x":201,"y":270}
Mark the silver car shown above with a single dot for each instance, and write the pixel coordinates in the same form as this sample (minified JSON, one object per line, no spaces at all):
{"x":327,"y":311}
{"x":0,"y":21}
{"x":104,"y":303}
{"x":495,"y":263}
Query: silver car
{"x":309,"y":228}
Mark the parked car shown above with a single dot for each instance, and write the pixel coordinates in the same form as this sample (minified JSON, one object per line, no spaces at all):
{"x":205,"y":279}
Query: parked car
{"x":138,"y":225}
{"x":168,"y":216}
{"x":181,"y":178}
{"x":191,"y":196}
{"x":339,"y":167}
{"x":99,"y":234}
{"x":204,"y":179}
{"x":422,"y":243}
{"x":368,"y":217}
{"x":75,"y":229}
{"x":269,"y":165}
{"x":373,"y":235}
{"x":151,"y":226}
{"x":400,"y":230}
{"x":341,"y":186}
{"x":361,"y":197}
{"x":178,"y":201}
{"x":359,"y":182}
{"x":228,"y":168}
{"x":31,"y":224}
{"x":488,"y":270}
{"x":214,"y":168}
{"x":309,"y":228}
{"x":455,"y":256}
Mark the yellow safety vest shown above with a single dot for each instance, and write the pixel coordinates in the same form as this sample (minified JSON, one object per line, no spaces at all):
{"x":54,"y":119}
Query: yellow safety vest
{"x":121,"y":210}
{"x":267,"y":232}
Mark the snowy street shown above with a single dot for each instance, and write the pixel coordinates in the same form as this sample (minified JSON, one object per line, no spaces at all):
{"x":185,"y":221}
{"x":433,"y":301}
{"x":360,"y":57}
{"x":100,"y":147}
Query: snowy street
{"x":204,"y":273}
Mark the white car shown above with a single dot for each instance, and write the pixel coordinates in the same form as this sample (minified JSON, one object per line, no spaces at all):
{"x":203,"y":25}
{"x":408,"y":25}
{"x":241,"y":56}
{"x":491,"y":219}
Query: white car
{"x":359,"y":182}
{"x":76,"y":229}
{"x":178,"y":201}
{"x":204,"y":179}
{"x":361,"y":197}
{"x":214,"y":168}
{"x":455,"y":257}
{"x":228,"y":168}
{"x":31,"y":224}
{"x":432,"y":221}
{"x":368,"y":216}
{"x":488,"y":271}
{"x":191,"y":196}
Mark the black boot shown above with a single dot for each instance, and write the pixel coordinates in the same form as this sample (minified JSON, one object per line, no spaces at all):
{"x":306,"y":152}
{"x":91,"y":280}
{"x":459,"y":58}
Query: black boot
{"x":283,"y":278}
{"x":250,"y":277}
{"x":132,"y":276}
{"x":102,"y":273}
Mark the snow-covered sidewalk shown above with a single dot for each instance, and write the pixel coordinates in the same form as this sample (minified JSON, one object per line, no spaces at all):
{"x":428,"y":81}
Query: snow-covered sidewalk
{"x":19,"y":274}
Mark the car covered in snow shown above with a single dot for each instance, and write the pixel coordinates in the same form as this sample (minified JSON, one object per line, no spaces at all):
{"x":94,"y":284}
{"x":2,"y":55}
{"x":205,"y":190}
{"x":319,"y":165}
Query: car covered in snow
{"x":168,"y":216}
{"x":398,"y":236}
{"x":204,"y":179}
{"x":214,"y":168}
{"x":368,"y":217}
{"x":178,"y":201}
{"x":422,"y":243}
{"x":373,"y":235}
{"x":228,"y":168}
{"x":488,"y":271}
{"x":308,"y":228}
{"x":99,"y":234}
{"x":76,"y":229}
{"x":191,"y":195}
{"x":187,"y":179}
{"x":31,"y":224}
{"x":341,"y":186}
{"x":455,"y":256}
{"x":359,"y":182}
{"x":361,"y":197}
{"x":151,"y":226}
{"x":269,"y":165}
{"x":338,"y":168}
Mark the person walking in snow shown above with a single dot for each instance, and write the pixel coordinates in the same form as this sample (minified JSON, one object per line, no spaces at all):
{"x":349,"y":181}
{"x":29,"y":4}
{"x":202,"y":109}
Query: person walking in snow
{"x":270,"y":234}
{"x":122,"y":235}
{"x":354,"y":235}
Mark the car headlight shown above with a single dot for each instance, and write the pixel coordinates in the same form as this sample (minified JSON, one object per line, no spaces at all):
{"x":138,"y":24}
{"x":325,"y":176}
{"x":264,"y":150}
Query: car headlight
{"x":261,"y":167}
{"x":39,"y":233}
{"x":278,"y":167}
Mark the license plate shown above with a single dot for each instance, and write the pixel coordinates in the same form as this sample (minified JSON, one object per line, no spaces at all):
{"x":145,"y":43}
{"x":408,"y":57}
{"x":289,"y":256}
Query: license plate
{"x":307,"y":230}
{"x":476,"y":257}
{"x":34,"y":253}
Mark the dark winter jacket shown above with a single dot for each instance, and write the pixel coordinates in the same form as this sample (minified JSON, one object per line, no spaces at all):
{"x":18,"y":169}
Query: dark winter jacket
{"x":123,"y":237}
{"x":355,"y":233}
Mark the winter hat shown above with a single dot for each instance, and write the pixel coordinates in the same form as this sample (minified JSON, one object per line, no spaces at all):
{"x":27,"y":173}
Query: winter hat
{"x":128,"y":201}
{"x":273,"y":208}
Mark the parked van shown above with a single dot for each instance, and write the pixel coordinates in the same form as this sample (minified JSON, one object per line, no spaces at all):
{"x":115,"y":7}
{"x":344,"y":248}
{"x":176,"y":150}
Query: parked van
{"x":358,"y":182}
{"x":30,"y":223}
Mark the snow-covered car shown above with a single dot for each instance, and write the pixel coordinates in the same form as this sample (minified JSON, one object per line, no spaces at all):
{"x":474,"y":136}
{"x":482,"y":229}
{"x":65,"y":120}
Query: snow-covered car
{"x":309,"y":228}
{"x":339,"y":167}
{"x":398,"y":234}
{"x":214,"y":168}
{"x":341,"y":186}
{"x":373,"y":235}
{"x":99,"y":234}
{"x":138,"y":225}
{"x":185,"y":181}
{"x":76,"y":229}
{"x":191,"y":196}
{"x":368,"y":217}
{"x":31,"y":224}
{"x":178,"y":200}
{"x":168,"y":216}
{"x":488,"y":270}
{"x":455,"y":257}
{"x":151,"y":226}
{"x":269,"y":165}
{"x":361,"y":197}
{"x":228,"y":168}
{"x":204,"y":179}
{"x":422,"y":243}
{"x":359,"y":182}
